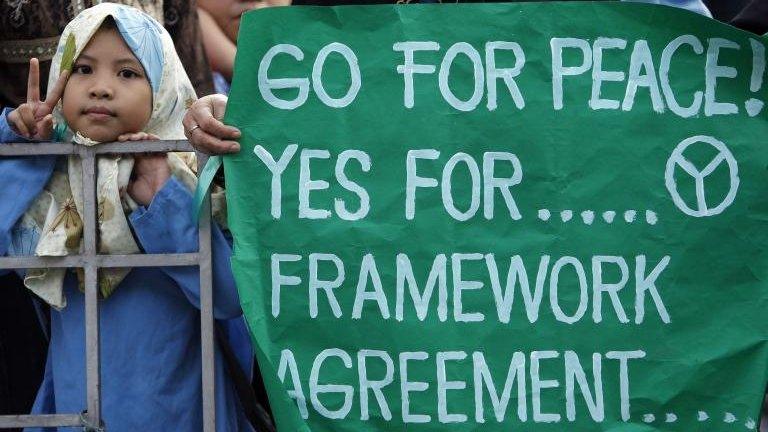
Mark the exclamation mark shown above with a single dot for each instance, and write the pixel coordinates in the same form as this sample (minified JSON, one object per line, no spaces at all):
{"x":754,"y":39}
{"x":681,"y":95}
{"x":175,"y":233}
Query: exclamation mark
{"x":754,"y":106}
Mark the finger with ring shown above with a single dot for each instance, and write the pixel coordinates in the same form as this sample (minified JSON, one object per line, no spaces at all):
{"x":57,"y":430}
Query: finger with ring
{"x":195,"y":127}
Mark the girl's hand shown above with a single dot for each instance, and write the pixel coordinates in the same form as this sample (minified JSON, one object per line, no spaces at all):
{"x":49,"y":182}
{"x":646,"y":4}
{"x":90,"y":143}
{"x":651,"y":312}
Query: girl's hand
{"x":150,"y":171}
{"x":33,"y":119}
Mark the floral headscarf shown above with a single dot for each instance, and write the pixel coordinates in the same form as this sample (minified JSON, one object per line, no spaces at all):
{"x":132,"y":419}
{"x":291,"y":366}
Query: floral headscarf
{"x":53,"y":222}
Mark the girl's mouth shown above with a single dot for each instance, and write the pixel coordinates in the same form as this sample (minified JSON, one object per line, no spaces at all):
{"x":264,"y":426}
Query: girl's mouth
{"x":98,"y":113}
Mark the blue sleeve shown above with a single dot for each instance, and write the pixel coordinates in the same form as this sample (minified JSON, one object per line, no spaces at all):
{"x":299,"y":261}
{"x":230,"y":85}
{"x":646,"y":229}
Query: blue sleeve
{"x":239,"y":340}
{"x":22,"y":180}
{"x":167,"y":226}
{"x":7,"y":135}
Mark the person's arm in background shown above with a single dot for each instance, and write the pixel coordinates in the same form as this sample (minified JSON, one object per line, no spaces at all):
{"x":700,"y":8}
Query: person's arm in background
{"x":227,"y":13}
{"x":218,"y":48}
{"x":182,"y":23}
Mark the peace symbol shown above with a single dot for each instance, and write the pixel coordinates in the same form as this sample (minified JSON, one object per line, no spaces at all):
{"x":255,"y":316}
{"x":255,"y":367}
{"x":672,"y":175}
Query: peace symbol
{"x":678,"y":159}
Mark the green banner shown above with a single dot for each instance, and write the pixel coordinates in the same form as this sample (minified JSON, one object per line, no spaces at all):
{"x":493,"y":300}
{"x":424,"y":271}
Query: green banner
{"x":531,"y":216}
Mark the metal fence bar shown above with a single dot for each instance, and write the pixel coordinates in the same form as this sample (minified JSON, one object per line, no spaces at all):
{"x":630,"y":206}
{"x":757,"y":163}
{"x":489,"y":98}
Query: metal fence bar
{"x":40,"y":149}
{"x":47,"y":420}
{"x":92,"y":343}
{"x":112,"y":261}
{"x":206,"y":313}
{"x":91,"y":262}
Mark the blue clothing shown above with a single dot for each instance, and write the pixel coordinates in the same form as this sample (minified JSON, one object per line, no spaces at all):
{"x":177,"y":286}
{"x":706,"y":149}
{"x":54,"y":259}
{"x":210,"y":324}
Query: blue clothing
{"x":150,"y":326}
{"x":220,"y":84}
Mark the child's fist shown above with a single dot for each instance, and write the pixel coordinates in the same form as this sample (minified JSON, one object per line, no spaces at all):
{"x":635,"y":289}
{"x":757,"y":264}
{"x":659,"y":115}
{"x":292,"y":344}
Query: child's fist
{"x":150,"y":172}
{"x":23,"y":122}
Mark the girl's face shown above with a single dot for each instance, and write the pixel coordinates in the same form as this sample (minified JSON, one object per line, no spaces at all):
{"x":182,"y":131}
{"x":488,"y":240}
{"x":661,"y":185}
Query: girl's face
{"x":108,"y":93}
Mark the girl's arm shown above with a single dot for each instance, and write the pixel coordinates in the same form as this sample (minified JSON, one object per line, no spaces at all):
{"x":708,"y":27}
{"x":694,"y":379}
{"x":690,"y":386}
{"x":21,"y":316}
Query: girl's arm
{"x":167,"y":226}
{"x":22,"y":180}
{"x":218,"y":48}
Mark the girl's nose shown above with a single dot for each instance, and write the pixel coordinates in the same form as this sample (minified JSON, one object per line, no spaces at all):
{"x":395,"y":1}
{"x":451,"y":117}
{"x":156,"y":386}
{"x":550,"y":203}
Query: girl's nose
{"x":101,"y":91}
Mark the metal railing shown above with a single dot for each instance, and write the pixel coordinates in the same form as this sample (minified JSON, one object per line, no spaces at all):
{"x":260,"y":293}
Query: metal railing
{"x":91,"y":262}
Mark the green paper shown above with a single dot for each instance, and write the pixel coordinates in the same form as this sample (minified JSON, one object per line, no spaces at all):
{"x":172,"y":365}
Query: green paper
{"x":584,"y":260}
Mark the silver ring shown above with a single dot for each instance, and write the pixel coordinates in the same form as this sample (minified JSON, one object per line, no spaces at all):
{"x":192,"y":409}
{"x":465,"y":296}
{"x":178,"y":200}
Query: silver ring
{"x":189,"y":132}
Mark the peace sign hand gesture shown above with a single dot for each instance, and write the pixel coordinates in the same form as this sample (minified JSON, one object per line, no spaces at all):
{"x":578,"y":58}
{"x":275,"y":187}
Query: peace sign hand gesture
{"x":33,"y":119}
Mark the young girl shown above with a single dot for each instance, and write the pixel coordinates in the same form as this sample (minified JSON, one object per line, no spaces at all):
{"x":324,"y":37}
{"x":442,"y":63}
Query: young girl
{"x":120,"y":79}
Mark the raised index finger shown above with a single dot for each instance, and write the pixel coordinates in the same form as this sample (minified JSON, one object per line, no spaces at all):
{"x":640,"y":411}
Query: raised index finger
{"x":54,"y":95}
{"x":33,"y":82}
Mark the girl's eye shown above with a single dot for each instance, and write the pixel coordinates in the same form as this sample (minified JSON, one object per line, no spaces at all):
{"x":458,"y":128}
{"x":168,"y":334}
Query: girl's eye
{"x":127,"y":73}
{"x":81,"y":69}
